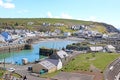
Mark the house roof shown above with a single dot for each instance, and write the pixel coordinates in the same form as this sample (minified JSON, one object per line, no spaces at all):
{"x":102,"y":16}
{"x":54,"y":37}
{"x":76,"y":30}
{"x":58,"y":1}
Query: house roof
{"x":110,"y":47}
{"x":53,"y":61}
{"x":96,"y":48}
{"x":47,"y":64}
{"x":62,"y":54}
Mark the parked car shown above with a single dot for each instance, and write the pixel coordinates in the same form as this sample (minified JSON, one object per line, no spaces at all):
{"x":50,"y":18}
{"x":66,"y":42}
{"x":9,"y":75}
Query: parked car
{"x":11,"y":69}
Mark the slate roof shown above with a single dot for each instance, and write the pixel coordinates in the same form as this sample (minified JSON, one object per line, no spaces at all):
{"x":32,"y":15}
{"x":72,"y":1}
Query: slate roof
{"x":53,"y":61}
{"x":47,"y":64}
{"x":62,"y":54}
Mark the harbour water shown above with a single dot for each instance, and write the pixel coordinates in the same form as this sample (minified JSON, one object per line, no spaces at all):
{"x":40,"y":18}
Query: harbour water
{"x":32,"y":55}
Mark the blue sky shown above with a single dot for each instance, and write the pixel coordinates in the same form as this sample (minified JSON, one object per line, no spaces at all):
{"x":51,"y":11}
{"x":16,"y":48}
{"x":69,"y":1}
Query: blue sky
{"x":96,"y":10}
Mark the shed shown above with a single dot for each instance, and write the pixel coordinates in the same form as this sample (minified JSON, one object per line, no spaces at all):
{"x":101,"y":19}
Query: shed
{"x":45,"y":66}
{"x":110,"y":48}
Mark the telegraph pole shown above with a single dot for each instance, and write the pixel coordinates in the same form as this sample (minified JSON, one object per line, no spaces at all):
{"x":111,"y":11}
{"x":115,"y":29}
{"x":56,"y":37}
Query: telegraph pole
{"x":4,"y":63}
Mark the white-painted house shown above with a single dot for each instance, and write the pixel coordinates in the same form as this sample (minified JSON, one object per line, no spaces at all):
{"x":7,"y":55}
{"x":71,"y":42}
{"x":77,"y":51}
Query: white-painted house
{"x":2,"y":38}
{"x":110,"y":48}
{"x":62,"y":55}
{"x":57,"y":63}
{"x":44,"y":65}
{"x":67,"y":34}
{"x":96,"y":49}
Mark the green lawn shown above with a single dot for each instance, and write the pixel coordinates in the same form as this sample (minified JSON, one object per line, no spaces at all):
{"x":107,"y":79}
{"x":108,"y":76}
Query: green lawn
{"x":38,"y":21}
{"x":83,"y":61}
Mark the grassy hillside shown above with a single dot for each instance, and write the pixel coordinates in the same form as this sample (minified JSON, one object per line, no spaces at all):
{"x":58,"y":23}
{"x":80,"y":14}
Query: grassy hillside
{"x":84,"y":61}
{"x":22,"y":23}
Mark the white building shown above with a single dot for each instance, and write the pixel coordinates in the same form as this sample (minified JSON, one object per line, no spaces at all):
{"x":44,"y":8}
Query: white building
{"x":30,"y":35}
{"x":62,"y":55}
{"x":2,"y":38}
{"x":44,"y":65}
{"x":110,"y":48}
{"x":57,"y":63}
{"x":96,"y":49}
{"x":67,"y":34}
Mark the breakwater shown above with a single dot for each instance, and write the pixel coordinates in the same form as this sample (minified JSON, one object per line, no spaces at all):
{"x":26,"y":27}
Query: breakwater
{"x":14,"y":47}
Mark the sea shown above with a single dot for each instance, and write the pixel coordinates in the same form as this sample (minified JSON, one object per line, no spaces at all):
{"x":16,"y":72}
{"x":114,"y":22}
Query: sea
{"x":33,"y":54}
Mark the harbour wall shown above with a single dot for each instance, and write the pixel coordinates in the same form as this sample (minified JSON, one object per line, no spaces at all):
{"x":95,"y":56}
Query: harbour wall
{"x":12,"y":48}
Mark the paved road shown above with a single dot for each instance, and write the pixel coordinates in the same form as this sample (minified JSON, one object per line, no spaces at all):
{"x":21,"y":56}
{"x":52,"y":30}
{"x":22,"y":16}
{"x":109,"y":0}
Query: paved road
{"x":73,"y":76}
{"x":22,"y":70}
{"x":113,"y":70}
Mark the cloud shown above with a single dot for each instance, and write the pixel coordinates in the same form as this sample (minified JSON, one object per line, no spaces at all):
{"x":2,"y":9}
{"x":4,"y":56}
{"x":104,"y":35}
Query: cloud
{"x":7,"y":4}
{"x":49,"y":15}
{"x":23,"y":11}
{"x":63,"y":15}
{"x":8,"y":0}
{"x":66,"y":16}
{"x":92,"y":18}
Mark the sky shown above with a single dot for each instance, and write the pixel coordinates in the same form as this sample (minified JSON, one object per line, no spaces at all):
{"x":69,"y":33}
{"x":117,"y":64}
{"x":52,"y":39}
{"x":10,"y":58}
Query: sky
{"x":107,"y":11}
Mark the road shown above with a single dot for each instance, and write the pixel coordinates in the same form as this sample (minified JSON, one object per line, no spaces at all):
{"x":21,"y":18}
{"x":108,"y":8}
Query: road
{"x":22,"y":70}
{"x":113,"y":71}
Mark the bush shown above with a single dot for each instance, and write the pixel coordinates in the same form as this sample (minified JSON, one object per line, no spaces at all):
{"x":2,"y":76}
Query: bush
{"x":87,"y":58}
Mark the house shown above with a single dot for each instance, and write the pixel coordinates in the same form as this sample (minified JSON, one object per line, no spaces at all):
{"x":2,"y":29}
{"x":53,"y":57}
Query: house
{"x":43,"y":67}
{"x":98,"y":35}
{"x":2,"y":38}
{"x":105,"y":36}
{"x":62,"y":55}
{"x":30,"y":35}
{"x":110,"y":48}
{"x":46,"y":24}
{"x":67,"y":34}
{"x":30,"y":23}
{"x":56,"y":62}
{"x":6,"y":36}
{"x":58,"y":24}
{"x":96,"y":49}
{"x":15,"y":37}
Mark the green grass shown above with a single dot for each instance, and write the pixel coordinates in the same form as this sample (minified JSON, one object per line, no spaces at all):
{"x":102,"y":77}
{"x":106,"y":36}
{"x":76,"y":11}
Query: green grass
{"x":16,"y":75}
{"x":1,"y":73}
{"x":83,"y":61}
{"x":39,"y":21}
{"x":99,"y":28}
{"x":65,"y":29}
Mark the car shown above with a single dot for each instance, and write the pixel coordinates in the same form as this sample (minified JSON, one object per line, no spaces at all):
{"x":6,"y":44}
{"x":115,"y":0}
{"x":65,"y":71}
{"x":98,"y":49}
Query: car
{"x":11,"y":69}
{"x":111,"y":68}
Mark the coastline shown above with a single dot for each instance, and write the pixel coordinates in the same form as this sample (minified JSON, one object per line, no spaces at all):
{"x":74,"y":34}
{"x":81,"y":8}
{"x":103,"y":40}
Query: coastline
{"x":58,"y":39}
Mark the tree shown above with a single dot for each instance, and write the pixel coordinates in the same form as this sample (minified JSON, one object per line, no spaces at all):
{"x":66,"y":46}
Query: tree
{"x":16,"y":24}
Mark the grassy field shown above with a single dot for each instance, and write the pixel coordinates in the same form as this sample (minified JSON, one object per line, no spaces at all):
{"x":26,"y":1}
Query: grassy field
{"x":83,"y":61}
{"x":22,"y":23}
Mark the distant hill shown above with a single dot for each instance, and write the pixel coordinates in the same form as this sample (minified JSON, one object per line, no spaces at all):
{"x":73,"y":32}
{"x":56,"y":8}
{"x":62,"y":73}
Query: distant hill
{"x":22,"y":23}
